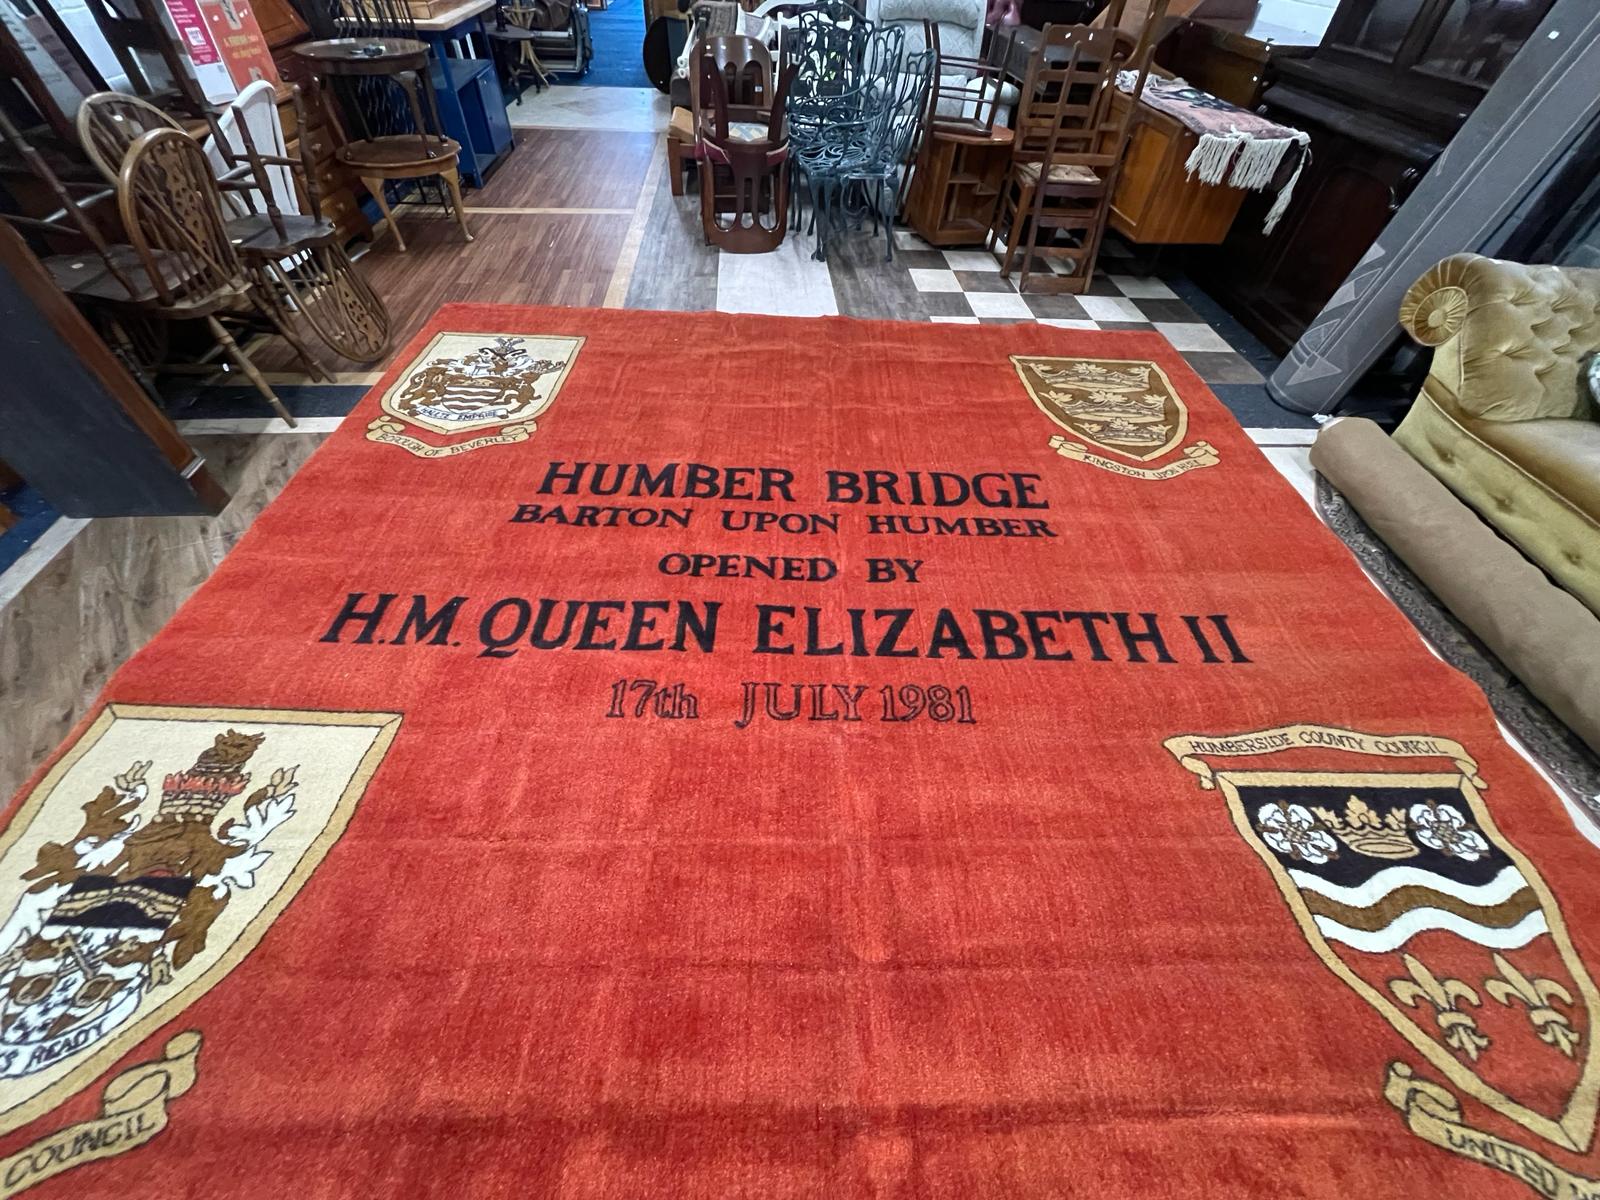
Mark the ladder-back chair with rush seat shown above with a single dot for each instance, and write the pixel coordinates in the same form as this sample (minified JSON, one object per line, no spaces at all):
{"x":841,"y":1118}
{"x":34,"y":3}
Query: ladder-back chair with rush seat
{"x":1067,"y":153}
{"x":299,"y":262}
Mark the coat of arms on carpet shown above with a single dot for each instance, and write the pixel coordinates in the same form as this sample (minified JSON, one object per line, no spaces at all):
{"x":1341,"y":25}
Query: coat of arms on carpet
{"x":468,"y":390}
{"x":141,"y":870}
{"x":1405,"y":889}
{"x":1124,"y":407}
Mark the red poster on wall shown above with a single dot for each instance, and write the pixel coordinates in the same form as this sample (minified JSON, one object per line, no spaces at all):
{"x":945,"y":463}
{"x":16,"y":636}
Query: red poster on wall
{"x":238,"y":36}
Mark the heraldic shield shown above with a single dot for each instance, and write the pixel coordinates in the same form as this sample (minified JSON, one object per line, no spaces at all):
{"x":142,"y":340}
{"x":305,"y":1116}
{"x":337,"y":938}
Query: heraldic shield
{"x":1405,"y":889}
{"x":145,"y":865}
{"x":1125,"y":407}
{"x":474,"y":390}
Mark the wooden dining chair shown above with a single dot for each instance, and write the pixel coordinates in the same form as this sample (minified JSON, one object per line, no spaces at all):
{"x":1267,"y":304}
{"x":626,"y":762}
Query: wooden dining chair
{"x":1067,"y":154}
{"x":298,"y":261}
{"x":171,"y":208}
{"x":746,"y":68}
{"x":744,"y":168}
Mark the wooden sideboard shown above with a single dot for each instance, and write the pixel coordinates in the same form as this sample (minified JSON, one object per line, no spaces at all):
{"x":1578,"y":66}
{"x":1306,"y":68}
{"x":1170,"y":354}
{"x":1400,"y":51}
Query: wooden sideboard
{"x":1157,"y":202}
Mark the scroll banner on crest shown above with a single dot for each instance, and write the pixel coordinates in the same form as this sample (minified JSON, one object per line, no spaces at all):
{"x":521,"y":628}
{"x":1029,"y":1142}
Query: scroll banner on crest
{"x":133,"y":1110}
{"x":1189,"y":747}
{"x":1201,"y":454}
{"x":390,"y":433}
{"x":1434,"y":1115}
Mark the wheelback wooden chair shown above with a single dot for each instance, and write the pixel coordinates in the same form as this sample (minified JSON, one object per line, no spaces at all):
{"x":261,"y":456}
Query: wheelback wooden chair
{"x":298,"y":261}
{"x":178,"y":264}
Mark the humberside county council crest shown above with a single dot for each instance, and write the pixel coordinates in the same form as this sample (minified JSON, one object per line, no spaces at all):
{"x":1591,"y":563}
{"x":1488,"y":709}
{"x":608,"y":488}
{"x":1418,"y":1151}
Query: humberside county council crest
{"x":1404,"y":888}
{"x":141,"y":870}
{"x":1124,"y":407}
{"x":473,"y":390}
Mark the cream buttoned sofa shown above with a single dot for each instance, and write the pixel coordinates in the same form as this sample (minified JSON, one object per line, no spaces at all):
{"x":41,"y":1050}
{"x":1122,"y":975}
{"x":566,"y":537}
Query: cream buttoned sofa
{"x":1505,"y":419}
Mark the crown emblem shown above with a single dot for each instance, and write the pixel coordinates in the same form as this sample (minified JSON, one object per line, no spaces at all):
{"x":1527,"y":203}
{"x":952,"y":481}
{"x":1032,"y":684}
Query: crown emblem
{"x":1081,"y":373}
{"x":218,"y":775}
{"x":1365,"y":832}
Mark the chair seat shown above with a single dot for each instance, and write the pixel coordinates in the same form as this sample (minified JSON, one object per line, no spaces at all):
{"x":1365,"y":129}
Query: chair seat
{"x":87,"y":277}
{"x":255,"y":237}
{"x":681,"y":126}
{"x":512,"y":33}
{"x":1063,"y":173}
{"x":399,"y":151}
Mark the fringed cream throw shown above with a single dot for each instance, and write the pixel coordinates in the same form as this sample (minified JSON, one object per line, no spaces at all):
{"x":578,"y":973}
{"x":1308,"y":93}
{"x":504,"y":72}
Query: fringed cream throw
{"x":1236,"y":147}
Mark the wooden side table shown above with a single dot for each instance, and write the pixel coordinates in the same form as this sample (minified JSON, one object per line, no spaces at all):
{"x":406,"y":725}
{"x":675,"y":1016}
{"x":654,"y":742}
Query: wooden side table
{"x":956,"y":187}
{"x":379,"y":157}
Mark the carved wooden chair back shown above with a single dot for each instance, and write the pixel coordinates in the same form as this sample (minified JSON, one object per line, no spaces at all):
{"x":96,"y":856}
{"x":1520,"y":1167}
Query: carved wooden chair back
{"x":745,"y":66}
{"x":110,"y":122}
{"x":171,"y":207}
{"x":744,"y":176}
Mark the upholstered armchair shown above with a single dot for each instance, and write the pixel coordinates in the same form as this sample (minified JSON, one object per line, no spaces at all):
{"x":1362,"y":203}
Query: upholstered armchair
{"x":1505,"y":418}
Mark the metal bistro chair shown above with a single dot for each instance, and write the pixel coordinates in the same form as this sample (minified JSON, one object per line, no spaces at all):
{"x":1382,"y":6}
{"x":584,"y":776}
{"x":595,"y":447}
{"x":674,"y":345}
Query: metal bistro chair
{"x":881,"y":179}
{"x":298,"y":261}
{"x":744,"y":177}
{"x":848,"y":91}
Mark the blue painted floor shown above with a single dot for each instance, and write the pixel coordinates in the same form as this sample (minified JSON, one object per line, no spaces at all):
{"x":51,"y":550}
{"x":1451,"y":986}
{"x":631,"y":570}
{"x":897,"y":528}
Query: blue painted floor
{"x":618,"y":35}
{"x":34,"y":516}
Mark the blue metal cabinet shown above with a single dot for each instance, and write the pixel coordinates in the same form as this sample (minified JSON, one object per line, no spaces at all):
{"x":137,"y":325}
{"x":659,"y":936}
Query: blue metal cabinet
{"x":471,"y":105}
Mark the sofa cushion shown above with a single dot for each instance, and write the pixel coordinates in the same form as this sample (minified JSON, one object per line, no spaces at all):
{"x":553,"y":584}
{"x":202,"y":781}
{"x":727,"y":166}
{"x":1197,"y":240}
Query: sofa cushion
{"x":1562,"y":455}
{"x":1549,"y":528}
{"x":960,"y":23}
{"x":940,"y":12}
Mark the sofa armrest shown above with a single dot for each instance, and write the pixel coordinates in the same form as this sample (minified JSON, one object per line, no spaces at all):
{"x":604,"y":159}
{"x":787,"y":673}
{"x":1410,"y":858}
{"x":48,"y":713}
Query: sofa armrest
{"x":1510,"y":341}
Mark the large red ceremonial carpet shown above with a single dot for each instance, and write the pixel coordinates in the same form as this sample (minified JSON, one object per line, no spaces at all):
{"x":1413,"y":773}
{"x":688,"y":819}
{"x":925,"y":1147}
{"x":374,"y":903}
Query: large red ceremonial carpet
{"x":651,"y":755}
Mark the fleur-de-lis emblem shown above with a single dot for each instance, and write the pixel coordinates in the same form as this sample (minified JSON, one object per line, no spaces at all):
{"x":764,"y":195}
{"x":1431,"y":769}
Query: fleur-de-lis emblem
{"x":1537,"y":994}
{"x":1460,"y":1032}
